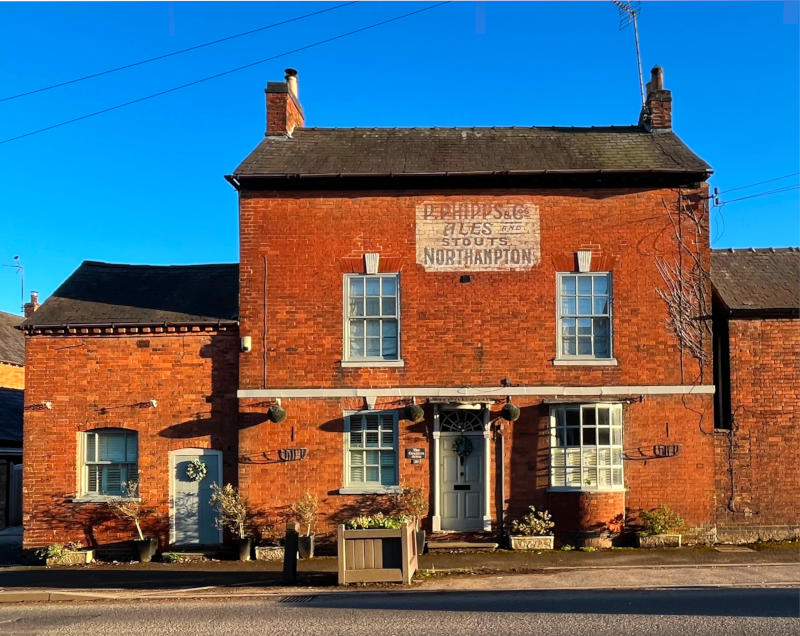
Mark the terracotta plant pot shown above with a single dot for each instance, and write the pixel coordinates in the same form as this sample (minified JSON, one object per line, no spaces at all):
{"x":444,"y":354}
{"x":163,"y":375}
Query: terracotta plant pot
{"x":146,"y":548}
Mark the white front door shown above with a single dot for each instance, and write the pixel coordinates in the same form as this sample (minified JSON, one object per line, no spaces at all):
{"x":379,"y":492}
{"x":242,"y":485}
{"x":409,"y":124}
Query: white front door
{"x":193,"y":520}
{"x":461,"y":484}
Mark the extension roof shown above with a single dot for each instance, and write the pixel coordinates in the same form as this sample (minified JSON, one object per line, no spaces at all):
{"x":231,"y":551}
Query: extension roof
{"x":757,"y":280}
{"x":471,"y":152}
{"x":12,"y":342}
{"x":100,"y":294}
{"x":11,"y":409}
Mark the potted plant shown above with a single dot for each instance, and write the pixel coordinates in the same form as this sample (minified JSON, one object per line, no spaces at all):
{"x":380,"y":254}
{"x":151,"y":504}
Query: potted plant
{"x":70,"y":554}
{"x":270,"y":540}
{"x":660,"y":528}
{"x":306,"y":510}
{"x":532,"y":531}
{"x":232,"y":513}
{"x":129,"y":508}
{"x":378,"y":548}
{"x":413,"y":503}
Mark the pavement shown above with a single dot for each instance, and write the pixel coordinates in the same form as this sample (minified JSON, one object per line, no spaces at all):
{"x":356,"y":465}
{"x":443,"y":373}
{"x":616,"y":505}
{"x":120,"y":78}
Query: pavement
{"x":759,"y":566}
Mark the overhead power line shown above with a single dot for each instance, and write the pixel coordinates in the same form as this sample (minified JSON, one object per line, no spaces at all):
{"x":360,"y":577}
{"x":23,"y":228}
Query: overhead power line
{"x":173,"y":53}
{"x":752,"y":185}
{"x":761,"y":194}
{"x":223,"y":73}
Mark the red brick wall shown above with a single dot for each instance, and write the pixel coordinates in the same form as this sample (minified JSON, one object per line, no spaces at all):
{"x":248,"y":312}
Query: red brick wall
{"x":685,"y":481}
{"x":501,"y":324}
{"x":193,"y":377}
{"x":761,"y":455}
{"x":12,"y":376}
{"x":282,"y":114}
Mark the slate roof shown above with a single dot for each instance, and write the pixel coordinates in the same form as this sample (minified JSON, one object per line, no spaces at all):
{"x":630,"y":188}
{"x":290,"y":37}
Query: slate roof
{"x":757,"y":279}
{"x":12,"y":342}
{"x":107,"y":293}
{"x":315,"y":152}
{"x":11,"y":405}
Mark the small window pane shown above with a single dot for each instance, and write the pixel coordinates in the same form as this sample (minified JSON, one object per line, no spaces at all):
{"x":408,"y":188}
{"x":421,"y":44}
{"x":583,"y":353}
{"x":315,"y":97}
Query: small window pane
{"x":373,"y":306}
{"x":372,"y":473}
{"x":600,"y":305}
{"x":602,"y":327}
{"x":389,"y":286}
{"x":603,"y":436}
{"x":600,"y":284}
{"x":356,"y":287}
{"x":569,"y":347}
{"x":584,"y":284}
{"x":601,"y":349}
{"x":573,"y":436}
{"x":588,"y":416}
{"x":390,"y":348}
{"x":584,"y":346}
{"x":372,"y":458}
{"x":389,"y":306}
{"x":373,"y":347}
{"x":568,"y":327}
{"x":389,"y":329}
{"x":589,"y":437}
{"x":573,"y":417}
{"x":568,"y":285}
{"x":584,"y":305}
{"x":91,"y":450}
{"x":373,"y":328}
{"x":584,"y":326}
{"x":373,"y":286}
{"x":568,"y":305}
{"x":356,"y":348}
{"x":356,"y":328}
{"x":616,"y":436}
{"x":356,"y":306}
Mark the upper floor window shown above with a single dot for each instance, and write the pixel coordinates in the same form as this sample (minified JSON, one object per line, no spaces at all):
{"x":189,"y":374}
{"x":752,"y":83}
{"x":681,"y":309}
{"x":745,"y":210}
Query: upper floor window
{"x":372,"y":317}
{"x":586,"y":447}
{"x":110,"y":458}
{"x":584,"y":316}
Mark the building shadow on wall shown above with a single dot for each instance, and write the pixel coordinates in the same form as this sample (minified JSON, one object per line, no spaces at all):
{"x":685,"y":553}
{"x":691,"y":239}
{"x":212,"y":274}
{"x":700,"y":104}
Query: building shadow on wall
{"x":219,"y":422}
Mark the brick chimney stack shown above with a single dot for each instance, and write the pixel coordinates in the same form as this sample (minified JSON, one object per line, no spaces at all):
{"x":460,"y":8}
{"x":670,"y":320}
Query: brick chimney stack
{"x":656,"y":114}
{"x":284,"y":112}
{"x":33,"y":305}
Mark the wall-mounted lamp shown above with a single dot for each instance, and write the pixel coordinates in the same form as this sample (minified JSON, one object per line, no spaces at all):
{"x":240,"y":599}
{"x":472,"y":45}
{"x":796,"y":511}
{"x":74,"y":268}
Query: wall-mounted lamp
{"x":246,"y":344}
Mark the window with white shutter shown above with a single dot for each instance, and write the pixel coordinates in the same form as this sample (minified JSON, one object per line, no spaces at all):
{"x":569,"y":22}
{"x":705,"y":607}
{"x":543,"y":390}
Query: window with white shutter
{"x":110,"y":459}
{"x":371,"y":449}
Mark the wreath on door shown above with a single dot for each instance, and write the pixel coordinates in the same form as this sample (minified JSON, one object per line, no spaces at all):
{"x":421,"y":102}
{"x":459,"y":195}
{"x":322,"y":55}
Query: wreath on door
{"x":196,"y":470}
{"x":462,"y":447}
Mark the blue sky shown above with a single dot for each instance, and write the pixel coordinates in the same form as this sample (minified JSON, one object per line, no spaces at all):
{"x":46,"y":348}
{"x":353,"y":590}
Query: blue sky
{"x":144,"y":184}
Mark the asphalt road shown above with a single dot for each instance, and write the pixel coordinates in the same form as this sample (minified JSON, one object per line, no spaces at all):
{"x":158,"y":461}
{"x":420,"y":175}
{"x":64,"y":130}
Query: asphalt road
{"x":673,"y":612}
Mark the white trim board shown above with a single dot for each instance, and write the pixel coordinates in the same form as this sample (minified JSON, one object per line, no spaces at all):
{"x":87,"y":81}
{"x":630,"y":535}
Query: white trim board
{"x":500,"y":391}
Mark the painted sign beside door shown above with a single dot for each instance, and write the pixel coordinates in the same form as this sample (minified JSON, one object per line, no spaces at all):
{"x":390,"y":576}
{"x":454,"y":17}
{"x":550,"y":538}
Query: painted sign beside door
{"x":192,"y":517}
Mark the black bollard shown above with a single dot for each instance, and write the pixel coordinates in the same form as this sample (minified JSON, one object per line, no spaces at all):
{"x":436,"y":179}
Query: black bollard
{"x":290,"y":555}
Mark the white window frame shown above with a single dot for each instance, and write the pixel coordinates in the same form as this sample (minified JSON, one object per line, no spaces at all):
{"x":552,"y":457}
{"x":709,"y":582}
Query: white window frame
{"x":370,"y":487}
{"x":561,"y":357}
{"x":369,"y":361}
{"x":126,"y":475}
{"x":586,"y":459}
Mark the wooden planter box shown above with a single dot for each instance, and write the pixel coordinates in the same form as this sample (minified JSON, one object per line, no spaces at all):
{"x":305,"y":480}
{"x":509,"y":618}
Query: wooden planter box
{"x":269,"y":553}
{"x":659,"y":540}
{"x":544,"y":542}
{"x":377,"y":556}
{"x":72,"y":557}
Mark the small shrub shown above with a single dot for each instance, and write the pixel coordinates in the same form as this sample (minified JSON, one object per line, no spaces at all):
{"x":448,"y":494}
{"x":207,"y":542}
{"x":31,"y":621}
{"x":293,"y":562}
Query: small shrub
{"x":232,"y":509}
{"x":411,"y":503}
{"x":58,"y":551}
{"x":128,"y":507}
{"x":535,"y":523}
{"x":306,"y":510}
{"x":587,"y":548}
{"x":377,"y":521}
{"x":661,"y":520}
{"x":567,"y":548}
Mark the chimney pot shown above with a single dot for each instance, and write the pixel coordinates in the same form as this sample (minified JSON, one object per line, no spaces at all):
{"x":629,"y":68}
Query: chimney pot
{"x":656,"y":115}
{"x":291,"y":81}
{"x":657,"y":78}
{"x":31,"y":306}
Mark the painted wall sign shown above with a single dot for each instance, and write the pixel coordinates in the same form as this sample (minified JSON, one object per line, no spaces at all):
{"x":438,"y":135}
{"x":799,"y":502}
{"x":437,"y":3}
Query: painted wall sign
{"x":416,"y":455}
{"x":469,"y":236}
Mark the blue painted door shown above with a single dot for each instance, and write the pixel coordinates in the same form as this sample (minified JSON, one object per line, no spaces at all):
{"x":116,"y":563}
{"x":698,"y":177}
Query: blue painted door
{"x":194,"y":518}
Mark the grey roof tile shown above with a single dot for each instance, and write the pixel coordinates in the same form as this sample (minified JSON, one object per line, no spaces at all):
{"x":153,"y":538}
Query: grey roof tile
{"x":757,"y":279}
{"x":105,"y":293}
{"x":12,"y":341}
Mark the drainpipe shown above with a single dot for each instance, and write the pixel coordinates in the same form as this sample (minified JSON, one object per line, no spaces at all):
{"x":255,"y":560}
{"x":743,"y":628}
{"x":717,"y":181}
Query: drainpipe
{"x":502,"y":464}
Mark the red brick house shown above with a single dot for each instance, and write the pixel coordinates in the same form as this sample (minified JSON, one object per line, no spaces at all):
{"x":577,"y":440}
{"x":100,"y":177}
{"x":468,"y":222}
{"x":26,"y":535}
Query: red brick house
{"x":457,"y":269}
{"x":757,"y":373}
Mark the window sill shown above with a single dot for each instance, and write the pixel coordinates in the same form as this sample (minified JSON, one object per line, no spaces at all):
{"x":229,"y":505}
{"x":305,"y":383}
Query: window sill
{"x":370,"y":490}
{"x":372,"y":363}
{"x":585,"y":362}
{"x":102,"y":499}
{"x":595,"y":491}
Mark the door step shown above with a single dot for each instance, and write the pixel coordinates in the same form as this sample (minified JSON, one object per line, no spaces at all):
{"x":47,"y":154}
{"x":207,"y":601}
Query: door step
{"x":461,"y":546}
